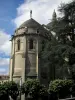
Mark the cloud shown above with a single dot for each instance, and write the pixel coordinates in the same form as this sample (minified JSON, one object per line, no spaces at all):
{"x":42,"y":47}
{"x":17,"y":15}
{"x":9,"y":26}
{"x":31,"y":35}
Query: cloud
{"x":4,"y":43}
{"x":42,"y":10}
{"x":3,"y":71}
{"x":4,"y":66}
{"x":4,"y":61}
{"x":4,"y":52}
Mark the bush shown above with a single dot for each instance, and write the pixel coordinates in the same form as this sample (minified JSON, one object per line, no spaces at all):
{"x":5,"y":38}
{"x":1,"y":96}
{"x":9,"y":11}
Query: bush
{"x":8,"y":89}
{"x":60,"y":88}
{"x":33,"y":89}
{"x":13,"y":90}
{"x":3,"y":92}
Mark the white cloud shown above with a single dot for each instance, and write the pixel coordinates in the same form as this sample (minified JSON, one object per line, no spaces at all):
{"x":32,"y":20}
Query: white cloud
{"x":4,"y":43}
{"x":4,"y":51}
{"x":42,"y":10}
{"x":3,"y":71}
{"x":4,"y":61}
{"x":4,"y":66}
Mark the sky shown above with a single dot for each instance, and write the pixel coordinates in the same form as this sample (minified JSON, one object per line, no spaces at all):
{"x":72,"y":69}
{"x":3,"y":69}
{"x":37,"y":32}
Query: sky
{"x":13,"y":13}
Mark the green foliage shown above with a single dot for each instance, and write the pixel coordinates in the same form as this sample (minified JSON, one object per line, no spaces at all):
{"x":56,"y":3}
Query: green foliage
{"x":34,"y":89}
{"x":62,"y":44}
{"x":68,"y":19}
{"x":67,"y":33}
{"x":13,"y":89}
{"x":53,"y":57}
{"x":8,"y":89}
{"x":61,"y":87}
{"x":3,"y":92}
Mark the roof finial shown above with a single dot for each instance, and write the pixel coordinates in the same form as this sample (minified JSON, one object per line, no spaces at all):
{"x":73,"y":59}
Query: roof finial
{"x":30,"y":13}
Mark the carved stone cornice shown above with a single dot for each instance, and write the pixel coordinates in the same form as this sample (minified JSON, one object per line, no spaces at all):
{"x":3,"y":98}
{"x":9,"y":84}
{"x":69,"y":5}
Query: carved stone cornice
{"x":28,"y":34}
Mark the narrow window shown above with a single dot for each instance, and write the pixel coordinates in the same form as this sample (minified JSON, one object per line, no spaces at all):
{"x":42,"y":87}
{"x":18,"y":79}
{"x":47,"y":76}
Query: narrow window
{"x":18,"y":44}
{"x":37,"y":30}
{"x":30,"y":44}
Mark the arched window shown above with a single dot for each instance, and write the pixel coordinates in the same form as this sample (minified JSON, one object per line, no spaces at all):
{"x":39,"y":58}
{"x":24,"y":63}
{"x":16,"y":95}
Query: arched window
{"x":18,"y":44}
{"x":31,"y":44}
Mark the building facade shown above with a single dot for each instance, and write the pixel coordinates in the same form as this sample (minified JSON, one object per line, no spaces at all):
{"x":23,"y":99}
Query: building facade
{"x":25,"y":48}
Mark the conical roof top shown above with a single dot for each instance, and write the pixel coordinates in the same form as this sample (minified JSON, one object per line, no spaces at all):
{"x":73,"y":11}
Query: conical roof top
{"x":31,"y":23}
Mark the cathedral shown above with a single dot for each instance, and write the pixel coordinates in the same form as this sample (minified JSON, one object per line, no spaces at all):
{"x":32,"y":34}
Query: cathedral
{"x":26,"y":44}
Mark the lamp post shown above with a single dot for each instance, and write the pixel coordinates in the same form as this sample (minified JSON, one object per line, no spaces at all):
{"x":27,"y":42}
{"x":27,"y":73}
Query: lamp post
{"x":20,"y":86}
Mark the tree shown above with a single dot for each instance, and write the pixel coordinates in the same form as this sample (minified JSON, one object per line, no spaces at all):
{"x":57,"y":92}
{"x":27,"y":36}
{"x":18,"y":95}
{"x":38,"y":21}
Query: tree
{"x":68,"y":31}
{"x":3,"y":92}
{"x":61,"y":88}
{"x":58,"y":54}
{"x":11,"y":89}
{"x":33,"y":89}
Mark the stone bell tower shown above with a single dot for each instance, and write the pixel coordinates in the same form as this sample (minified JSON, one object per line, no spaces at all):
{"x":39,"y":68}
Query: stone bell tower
{"x":26,"y":43}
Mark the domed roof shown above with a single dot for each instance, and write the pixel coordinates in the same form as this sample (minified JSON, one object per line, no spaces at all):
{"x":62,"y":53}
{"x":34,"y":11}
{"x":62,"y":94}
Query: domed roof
{"x":31,"y":23}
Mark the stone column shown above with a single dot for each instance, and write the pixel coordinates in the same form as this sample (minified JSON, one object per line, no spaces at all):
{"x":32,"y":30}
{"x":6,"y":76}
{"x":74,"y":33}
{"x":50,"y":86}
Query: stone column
{"x":24,"y":65}
{"x":11,"y":61}
{"x":37,"y":58}
{"x":24,"y":58}
{"x":10,"y":69}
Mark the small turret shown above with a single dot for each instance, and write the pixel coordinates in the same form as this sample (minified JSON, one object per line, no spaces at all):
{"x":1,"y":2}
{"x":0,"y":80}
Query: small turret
{"x":54,"y":16}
